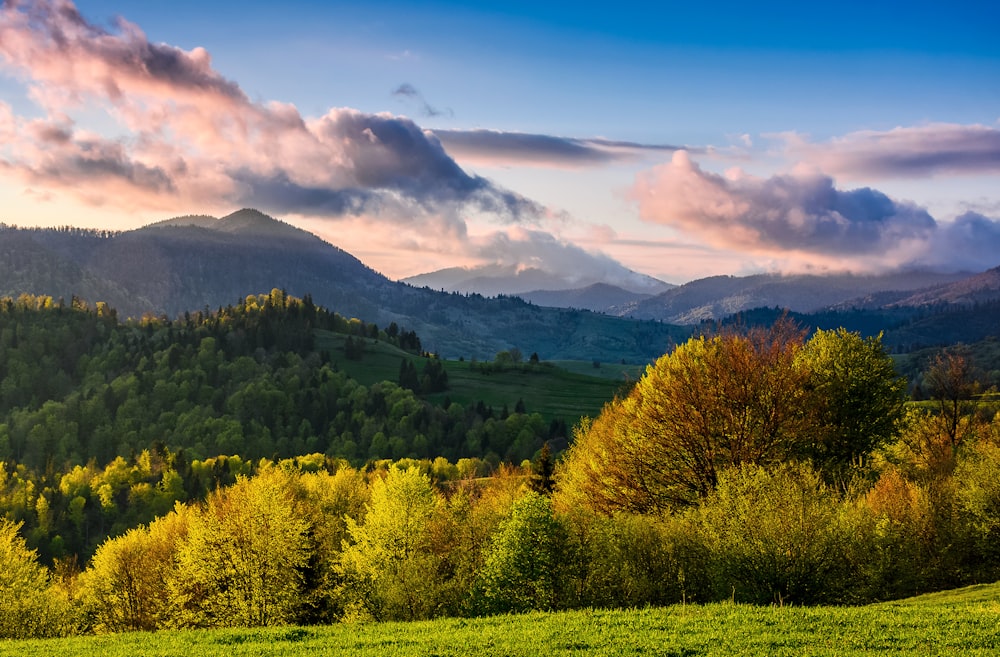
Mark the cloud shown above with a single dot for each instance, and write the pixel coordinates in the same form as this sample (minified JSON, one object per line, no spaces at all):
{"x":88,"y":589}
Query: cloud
{"x":906,"y":152}
{"x":493,"y":147}
{"x":970,"y":242}
{"x":409,"y":92}
{"x":803,"y":219}
{"x":190,"y":135}
{"x":520,"y":248}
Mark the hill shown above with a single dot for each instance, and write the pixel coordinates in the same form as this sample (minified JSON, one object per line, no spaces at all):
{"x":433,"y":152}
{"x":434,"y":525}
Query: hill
{"x":196,"y":262}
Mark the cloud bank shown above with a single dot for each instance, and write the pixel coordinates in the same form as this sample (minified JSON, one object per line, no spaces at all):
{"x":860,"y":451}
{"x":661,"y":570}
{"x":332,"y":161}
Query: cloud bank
{"x":188,"y":135}
{"x":494,"y":147}
{"x":803,"y":221}
{"x":907,"y":152}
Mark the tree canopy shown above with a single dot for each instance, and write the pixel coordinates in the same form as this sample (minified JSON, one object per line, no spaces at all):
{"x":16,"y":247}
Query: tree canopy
{"x":759,"y":397}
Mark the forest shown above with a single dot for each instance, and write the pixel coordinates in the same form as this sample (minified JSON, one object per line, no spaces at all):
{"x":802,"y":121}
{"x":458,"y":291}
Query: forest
{"x":218,"y":470}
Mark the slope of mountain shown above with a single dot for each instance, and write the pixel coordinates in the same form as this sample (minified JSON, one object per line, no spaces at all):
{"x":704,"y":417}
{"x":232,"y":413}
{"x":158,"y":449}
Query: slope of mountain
{"x":975,"y":289}
{"x":599,"y":297}
{"x":720,"y":296}
{"x":27,"y":264}
{"x":190,"y":263}
{"x":491,"y":280}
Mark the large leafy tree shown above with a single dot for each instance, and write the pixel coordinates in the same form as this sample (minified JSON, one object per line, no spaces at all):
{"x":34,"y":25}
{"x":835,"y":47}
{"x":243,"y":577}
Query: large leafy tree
{"x":28,"y":606}
{"x":525,"y":564}
{"x":125,"y":587}
{"x":388,"y":563}
{"x":754,"y":398}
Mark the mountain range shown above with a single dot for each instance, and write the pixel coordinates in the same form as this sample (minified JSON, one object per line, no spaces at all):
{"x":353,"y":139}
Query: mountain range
{"x":194,"y":262}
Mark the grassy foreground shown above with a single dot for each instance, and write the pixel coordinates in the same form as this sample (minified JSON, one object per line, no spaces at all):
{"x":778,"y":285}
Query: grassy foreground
{"x":963,"y":622}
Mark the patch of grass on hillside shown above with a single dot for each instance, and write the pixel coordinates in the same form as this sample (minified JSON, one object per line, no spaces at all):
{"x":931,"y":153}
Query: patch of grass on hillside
{"x":975,"y":594}
{"x":614,"y":371}
{"x":553,"y":391}
{"x":723,"y":630}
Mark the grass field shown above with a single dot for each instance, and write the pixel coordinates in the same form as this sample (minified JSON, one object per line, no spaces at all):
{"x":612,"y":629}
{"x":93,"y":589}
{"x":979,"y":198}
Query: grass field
{"x":566,"y":390}
{"x":963,"y":622}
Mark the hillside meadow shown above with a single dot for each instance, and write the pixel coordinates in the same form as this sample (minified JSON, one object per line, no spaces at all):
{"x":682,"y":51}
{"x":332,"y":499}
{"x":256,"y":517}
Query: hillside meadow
{"x":965,"y":621}
{"x":564,"y":390}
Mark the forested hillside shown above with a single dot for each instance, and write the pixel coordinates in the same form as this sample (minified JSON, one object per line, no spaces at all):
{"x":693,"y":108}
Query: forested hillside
{"x":189,"y":263}
{"x":157,"y":402}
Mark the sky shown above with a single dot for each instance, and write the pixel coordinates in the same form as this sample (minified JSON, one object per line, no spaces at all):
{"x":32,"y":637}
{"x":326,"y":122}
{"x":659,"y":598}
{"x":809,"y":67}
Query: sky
{"x":675,"y":140}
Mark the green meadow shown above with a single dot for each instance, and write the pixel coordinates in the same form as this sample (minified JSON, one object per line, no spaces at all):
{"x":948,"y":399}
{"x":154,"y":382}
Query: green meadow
{"x":961,"y":622}
{"x":566,"y":390}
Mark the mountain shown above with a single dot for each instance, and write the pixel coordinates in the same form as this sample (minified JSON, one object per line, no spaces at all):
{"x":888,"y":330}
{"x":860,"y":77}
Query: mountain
{"x":495,"y":279}
{"x":195,"y":262}
{"x":599,"y":297}
{"x":719,"y":296}
{"x":980,"y":288}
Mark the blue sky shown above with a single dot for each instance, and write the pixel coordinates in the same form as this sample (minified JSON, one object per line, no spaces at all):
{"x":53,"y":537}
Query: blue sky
{"x":677,"y":140}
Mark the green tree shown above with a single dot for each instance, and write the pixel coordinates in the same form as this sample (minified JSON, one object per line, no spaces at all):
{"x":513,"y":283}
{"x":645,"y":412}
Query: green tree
{"x":524,"y":566}
{"x":390,"y":569}
{"x":856,"y":395}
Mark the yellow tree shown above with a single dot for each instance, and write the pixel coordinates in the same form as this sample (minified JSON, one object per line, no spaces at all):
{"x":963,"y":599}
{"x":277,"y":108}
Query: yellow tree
{"x":28,"y":607}
{"x":125,"y":589}
{"x":389,"y":565}
{"x":713,"y":403}
{"x":242,"y":561}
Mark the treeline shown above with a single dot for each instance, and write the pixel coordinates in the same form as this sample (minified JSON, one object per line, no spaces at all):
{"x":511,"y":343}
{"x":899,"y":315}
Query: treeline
{"x":314,"y":541}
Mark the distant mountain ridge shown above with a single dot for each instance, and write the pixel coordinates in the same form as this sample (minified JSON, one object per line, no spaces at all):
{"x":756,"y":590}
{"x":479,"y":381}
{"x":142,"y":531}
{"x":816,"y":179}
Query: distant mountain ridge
{"x":494,"y":279}
{"x":716,"y":297}
{"x":599,"y":297}
{"x":196,"y":262}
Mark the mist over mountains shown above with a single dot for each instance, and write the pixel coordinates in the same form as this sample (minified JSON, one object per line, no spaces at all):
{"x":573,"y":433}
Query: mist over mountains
{"x":195,"y":262}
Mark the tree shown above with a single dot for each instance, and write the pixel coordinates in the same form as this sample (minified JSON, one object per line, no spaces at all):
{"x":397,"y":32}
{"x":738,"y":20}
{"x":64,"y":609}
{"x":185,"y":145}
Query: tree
{"x":125,"y":587}
{"x":28,"y":607}
{"x":856,"y":396}
{"x":408,"y":377}
{"x":523,"y":567}
{"x":733,"y":399}
{"x":776,"y":535}
{"x":713,"y":403}
{"x":242,"y":561}
{"x":390,"y":570}
{"x":542,"y":480}
{"x":951,"y":383}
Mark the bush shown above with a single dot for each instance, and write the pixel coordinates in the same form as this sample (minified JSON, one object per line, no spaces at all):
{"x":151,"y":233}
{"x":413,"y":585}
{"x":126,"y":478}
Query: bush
{"x":776,"y":536}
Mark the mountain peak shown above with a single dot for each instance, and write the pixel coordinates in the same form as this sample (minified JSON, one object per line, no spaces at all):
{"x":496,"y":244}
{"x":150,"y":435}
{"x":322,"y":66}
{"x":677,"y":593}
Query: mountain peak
{"x":246,"y":222}
{"x":252,"y":221}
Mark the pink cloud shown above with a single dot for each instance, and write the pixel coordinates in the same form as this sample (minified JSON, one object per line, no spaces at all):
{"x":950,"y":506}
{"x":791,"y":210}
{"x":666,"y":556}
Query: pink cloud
{"x":192,"y":136}
{"x":801,"y":220}
{"x":906,"y":152}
